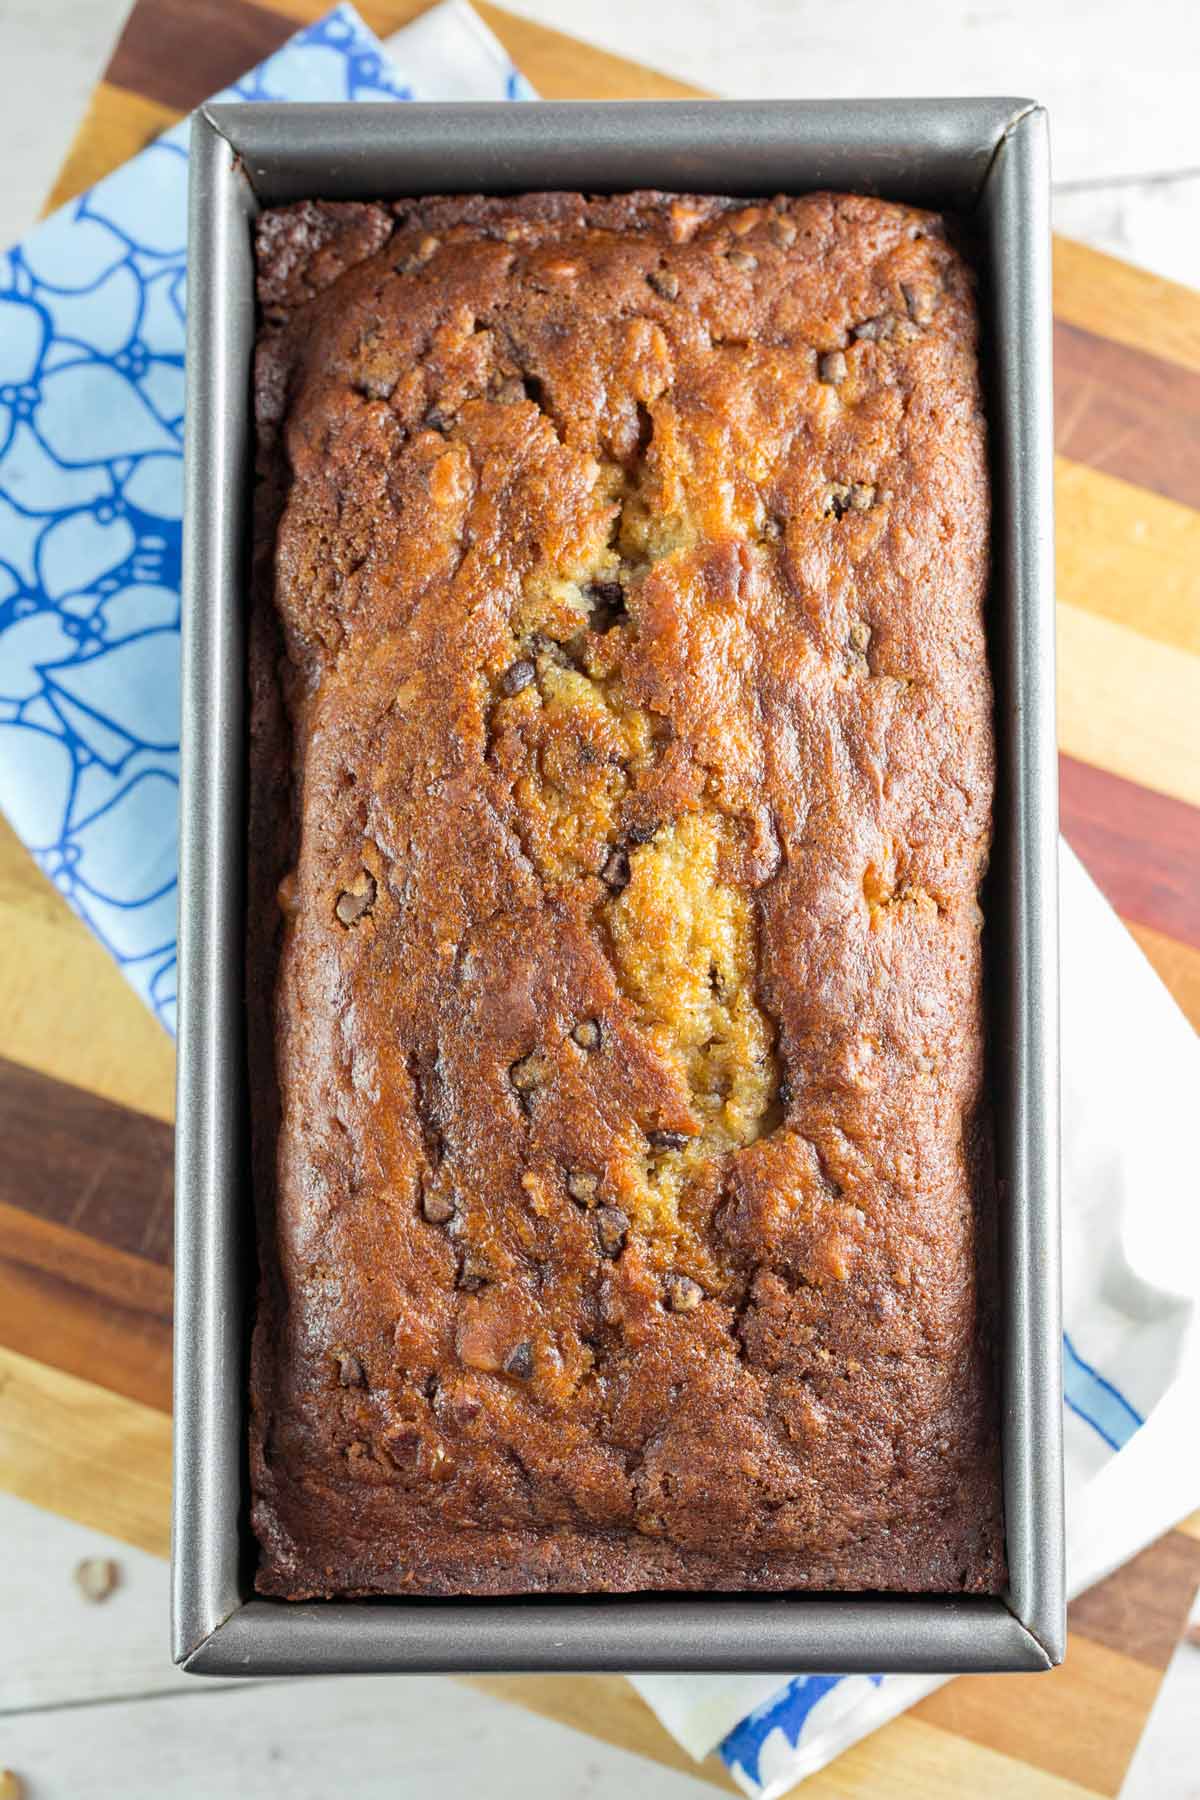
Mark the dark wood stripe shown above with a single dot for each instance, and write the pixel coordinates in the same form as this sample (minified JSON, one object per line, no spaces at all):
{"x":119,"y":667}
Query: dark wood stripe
{"x":51,"y":1319}
{"x":42,"y":1246}
{"x":179,"y":52}
{"x":1127,"y":413}
{"x":1142,"y":849}
{"x":1142,"y":1609}
{"x":86,"y":1163}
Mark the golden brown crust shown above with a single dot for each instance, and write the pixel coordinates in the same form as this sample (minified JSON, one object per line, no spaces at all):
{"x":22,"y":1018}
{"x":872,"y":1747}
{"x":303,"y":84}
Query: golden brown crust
{"x":619,"y":1176}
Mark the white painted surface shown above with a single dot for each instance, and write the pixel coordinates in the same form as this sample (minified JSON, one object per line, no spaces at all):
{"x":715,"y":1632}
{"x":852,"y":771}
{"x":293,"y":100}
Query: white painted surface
{"x":57,"y":1647}
{"x":1166,"y":1764}
{"x":1122,"y":96}
{"x":362,"y":1738}
{"x":91,"y":1708}
{"x":51,"y":52}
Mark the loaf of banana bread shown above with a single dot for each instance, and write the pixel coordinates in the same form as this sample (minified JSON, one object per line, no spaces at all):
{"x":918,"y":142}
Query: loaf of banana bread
{"x":621,"y":784}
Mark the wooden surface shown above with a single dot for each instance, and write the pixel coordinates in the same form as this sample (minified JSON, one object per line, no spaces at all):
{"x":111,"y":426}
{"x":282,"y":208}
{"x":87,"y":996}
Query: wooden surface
{"x":85,"y":1073}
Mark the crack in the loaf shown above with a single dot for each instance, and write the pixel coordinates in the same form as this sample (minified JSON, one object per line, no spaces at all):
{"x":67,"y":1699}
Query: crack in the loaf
{"x":692,"y":983}
{"x":422,"y":1077}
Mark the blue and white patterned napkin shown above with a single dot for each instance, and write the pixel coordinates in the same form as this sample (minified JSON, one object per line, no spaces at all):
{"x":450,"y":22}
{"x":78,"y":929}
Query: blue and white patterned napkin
{"x":91,"y":424}
{"x":91,"y":397}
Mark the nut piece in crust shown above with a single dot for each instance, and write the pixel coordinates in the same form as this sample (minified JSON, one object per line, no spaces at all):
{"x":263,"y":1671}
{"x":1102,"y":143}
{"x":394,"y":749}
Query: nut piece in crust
{"x":355,"y":903}
{"x":583,"y":1186}
{"x":682,"y":1293}
{"x":350,"y":1370}
{"x":439,"y":1209}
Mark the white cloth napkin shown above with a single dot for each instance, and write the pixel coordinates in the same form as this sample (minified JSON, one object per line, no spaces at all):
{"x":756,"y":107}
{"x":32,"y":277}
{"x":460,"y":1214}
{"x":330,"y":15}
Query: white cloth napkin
{"x":1131,"y":1246}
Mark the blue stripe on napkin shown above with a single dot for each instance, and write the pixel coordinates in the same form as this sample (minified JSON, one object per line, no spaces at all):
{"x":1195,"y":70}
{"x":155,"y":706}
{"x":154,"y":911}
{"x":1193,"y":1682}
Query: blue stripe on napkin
{"x":790,"y":1713}
{"x":1094,"y":1399}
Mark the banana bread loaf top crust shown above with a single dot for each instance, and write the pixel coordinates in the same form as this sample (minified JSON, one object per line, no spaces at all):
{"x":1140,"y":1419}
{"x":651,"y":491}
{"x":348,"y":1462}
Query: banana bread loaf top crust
{"x":621,"y":781}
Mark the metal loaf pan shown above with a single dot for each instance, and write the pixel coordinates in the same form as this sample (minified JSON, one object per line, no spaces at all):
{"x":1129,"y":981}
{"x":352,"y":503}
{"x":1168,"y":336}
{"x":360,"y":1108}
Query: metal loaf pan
{"x":987,"y":158}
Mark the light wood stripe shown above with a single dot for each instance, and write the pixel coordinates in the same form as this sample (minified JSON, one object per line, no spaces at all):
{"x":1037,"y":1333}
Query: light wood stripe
{"x":1115,"y":300}
{"x":115,"y":1049}
{"x":1177,"y":965}
{"x":85,"y":1453}
{"x":911,"y":1759}
{"x":1190,"y":1526}
{"x":1057,"y":1713}
{"x":1128,"y":704}
{"x":1128,"y":555}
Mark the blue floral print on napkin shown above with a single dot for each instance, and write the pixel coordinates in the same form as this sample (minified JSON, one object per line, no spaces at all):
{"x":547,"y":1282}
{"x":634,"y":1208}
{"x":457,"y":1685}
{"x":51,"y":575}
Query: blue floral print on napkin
{"x":91,"y":423}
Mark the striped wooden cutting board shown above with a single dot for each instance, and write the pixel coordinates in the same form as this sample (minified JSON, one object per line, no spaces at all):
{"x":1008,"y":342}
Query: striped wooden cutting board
{"x":86,"y":1075}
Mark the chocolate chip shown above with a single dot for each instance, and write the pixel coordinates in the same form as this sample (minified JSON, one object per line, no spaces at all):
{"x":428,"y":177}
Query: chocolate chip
{"x":741,"y":259}
{"x":616,"y":872}
{"x":643,"y":834}
{"x":682,"y":1294}
{"x":96,"y":1577}
{"x":862,"y":497}
{"x":517,"y":676}
{"x":437,"y":420}
{"x":583,"y":1186}
{"x":785,"y":1093}
{"x":668,"y":1140}
{"x":519,"y":1362}
{"x":837,"y":500}
{"x":607,"y":602}
{"x":439,"y":1209}
{"x":351,"y":907}
{"x":612,"y":1227}
{"x":473,"y":1273}
{"x":588,"y":1034}
{"x":871,"y":330}
{"x":376,"y":387}
{"x":350,"y":1370}
{"x":664,"y":282}
{"x":831,"y":367}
